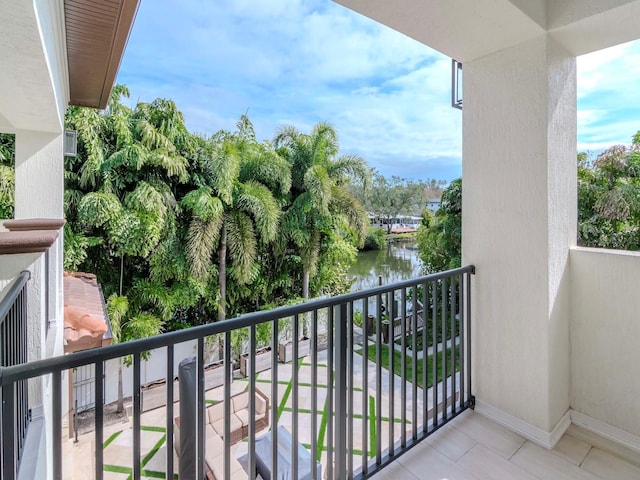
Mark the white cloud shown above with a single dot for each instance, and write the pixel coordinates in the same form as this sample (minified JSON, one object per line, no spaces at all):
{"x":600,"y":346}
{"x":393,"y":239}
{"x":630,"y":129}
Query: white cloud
{"x":608,"y":97}
{"x":300,"y":62}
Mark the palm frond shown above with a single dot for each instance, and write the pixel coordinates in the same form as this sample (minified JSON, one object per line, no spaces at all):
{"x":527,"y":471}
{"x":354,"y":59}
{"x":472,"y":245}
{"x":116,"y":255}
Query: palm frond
{"x":133,"y":156}
{"x":120,"y":127}
{"x":241,"y":245}
{"x":7,"y":184}
{"x":264,"y":165}
{"x":91,"y":169}
{"x":286,"y":136}
{"x":342,"y":202}
{"x":146,"y":292}
{"x":224,"y":167}
{"x":151,"y":138}
{"x":174,"y":165}
{"x":353,"y":166}
{"x":203,"y":204}
{"x":318,"y":184}
{"x":202,"y":239}
{"x":295,"y":226}
{"x":117,"y":309}
{"x":324,"y":143}
{"x":145,"y":198}
{"x":257,"y":200}
{"x":75,"y":247}
{"x":142,"y":325}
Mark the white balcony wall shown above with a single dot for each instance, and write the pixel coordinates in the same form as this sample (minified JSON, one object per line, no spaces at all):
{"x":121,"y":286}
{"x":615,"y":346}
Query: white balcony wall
{"x":605,"y":336}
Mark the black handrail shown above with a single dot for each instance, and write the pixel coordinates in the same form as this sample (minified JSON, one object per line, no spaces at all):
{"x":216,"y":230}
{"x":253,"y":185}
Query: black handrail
{"x":439,"y":313}
{"x":65,"y":362}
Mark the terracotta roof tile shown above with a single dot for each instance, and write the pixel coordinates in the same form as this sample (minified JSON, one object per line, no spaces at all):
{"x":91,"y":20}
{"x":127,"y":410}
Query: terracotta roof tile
{"x":86,"y":324}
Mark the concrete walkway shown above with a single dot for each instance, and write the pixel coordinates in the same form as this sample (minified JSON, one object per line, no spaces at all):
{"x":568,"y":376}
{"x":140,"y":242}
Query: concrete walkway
{"x":118,"y":439}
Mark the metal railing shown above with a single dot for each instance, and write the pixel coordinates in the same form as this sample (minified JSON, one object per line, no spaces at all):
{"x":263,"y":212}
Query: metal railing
{"x":362,"y":402}
{"x":13,"y":351}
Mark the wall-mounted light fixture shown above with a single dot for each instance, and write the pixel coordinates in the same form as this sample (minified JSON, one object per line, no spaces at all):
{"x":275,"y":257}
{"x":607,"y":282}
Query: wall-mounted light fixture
{"x":70,"y":143}
{"x":456,"y":84}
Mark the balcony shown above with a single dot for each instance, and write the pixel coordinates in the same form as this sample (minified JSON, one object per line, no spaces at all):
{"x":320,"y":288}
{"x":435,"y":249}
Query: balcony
{"x":335,"y":402}
{"x":555,"y":327}
{"x":338,"y":402}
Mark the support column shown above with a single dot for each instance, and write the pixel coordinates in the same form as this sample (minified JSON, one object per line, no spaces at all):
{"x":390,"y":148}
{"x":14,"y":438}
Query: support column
{"x":39,"y":175}
{"x":519,"y":221}
{"x":40,"y":194}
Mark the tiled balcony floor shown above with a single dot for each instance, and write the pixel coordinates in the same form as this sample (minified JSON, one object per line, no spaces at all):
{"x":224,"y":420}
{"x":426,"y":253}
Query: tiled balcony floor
{"x":473,"y":447}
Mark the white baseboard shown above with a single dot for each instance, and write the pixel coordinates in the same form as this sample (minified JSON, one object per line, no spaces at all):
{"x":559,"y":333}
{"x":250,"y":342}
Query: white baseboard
{"x":528,"y":431}
{"x":605,"y":430}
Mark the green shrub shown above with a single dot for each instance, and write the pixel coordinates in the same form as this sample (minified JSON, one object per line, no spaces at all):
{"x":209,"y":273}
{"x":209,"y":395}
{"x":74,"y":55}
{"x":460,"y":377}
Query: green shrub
{"x":376,"y":239}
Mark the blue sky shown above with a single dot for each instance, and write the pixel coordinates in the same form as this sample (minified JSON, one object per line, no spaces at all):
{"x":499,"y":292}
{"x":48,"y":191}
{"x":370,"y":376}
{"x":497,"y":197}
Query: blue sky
{"x":303,"y":61}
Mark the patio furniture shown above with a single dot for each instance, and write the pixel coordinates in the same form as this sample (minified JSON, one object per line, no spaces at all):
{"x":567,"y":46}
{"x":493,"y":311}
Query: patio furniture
{"x":284,"y":449}
{"x":214,"y":431}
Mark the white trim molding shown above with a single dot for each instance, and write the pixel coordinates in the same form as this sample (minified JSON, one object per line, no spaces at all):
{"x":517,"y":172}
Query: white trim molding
{"x":530,"y":432}
{"x":605,"y":430}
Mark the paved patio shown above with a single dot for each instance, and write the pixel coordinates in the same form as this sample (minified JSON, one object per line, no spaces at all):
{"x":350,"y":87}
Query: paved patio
{"x":118,"y":439}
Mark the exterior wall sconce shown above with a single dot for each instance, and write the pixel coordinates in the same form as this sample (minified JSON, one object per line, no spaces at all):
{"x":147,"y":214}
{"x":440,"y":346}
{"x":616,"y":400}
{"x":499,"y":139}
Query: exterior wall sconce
{"x":70,"y":143}
{"x":456,"y":84}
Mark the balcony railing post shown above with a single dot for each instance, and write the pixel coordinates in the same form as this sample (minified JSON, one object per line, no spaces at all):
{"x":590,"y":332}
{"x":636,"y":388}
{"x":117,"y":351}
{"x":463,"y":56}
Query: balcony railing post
{"x":341,"y":344}
{"x":8,"y":431}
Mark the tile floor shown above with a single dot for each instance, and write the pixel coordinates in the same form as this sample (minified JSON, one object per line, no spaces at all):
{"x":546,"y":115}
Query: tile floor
{"x":473,"y":447}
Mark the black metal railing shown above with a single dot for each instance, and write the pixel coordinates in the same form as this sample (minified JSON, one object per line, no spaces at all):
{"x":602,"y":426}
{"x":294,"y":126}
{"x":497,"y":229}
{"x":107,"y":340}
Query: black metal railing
{"x":13,"y":351}
{"x":361,"y":402}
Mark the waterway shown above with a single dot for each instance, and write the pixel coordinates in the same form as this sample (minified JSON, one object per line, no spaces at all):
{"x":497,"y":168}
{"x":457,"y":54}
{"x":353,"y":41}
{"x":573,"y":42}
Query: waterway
{"x":399,"y":261}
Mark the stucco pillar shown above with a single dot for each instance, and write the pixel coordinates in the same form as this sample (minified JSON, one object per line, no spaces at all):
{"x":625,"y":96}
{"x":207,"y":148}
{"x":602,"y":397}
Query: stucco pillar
{"x":519,"y":221}
{"x":39,"y":175}
{"x":39,"y":193}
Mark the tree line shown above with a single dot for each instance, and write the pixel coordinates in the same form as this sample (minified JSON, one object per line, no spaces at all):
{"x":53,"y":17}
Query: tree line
{"x":608,"y":208}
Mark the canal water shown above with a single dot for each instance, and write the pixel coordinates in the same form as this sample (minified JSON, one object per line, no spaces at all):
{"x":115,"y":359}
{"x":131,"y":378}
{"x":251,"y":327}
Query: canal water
{"x":399,"y":261}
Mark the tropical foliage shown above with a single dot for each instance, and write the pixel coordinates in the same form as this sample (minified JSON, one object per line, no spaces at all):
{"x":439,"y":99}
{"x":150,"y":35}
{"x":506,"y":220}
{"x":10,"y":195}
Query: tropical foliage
{"x":323,"y":220}
{"x":440,"y":238}
{"x":7,"y":175}
{"x":184,"y":229}
{"x":609,"y":198}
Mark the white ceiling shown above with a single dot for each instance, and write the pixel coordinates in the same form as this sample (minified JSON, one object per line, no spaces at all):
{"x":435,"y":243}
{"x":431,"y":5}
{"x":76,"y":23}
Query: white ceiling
{"x":467,"y":30}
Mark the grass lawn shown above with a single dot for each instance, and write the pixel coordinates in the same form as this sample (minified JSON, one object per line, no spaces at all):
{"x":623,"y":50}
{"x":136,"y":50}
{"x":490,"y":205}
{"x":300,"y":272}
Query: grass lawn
{"x":397,"y":363}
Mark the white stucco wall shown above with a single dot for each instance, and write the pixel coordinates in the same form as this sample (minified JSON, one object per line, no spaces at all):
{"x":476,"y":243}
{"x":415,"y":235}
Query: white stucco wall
{"x":151,"y":370}
{"x":519,"y":211}
{"x":605,"y":336}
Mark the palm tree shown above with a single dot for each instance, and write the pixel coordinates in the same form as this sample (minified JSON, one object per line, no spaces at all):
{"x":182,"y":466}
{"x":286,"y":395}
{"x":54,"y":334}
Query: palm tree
{"x":235,"y":209}
{"x":320,"y":202}
{"x":125,"y":327}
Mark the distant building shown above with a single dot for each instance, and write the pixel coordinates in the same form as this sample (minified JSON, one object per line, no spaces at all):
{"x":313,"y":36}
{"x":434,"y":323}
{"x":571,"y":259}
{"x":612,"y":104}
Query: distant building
{"x":433,"y":204}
